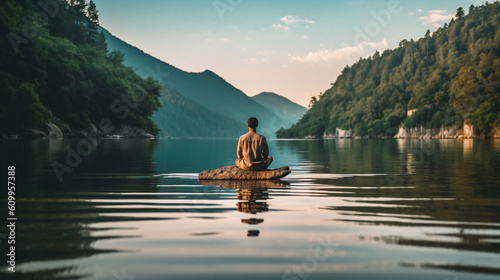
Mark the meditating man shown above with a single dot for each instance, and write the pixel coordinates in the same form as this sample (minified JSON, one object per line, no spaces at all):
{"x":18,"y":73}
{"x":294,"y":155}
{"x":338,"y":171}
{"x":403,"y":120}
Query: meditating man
{"x":253,"y":152}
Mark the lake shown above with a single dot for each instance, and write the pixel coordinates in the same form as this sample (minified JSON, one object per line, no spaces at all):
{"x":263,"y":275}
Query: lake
{"x":351,"y":209}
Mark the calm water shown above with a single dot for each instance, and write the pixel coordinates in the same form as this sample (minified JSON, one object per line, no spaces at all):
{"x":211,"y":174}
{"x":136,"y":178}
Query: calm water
{"x":351,"y":209}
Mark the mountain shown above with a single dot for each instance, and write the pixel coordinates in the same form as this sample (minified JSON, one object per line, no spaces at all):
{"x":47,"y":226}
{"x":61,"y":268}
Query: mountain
{"x":227,"y":105}
{"x":287,"y":110}
{"x":184,"y":118}
{"x":443,"y":80}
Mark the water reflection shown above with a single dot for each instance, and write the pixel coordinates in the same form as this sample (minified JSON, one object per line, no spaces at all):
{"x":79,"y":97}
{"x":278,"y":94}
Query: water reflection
{"x":253,"y":195}
{"x":139,"y":205}
{"x":468,"y":147}
{"x":59,"y":221}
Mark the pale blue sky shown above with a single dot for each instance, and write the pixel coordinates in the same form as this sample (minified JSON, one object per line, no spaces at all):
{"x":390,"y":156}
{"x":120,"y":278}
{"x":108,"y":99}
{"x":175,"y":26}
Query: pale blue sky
{"x":293,"y":48}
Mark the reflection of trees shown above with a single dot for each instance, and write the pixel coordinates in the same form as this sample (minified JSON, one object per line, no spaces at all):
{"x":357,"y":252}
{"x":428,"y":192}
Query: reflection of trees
{"x":56,"y":219}
{"x":450,"y":186}
{"x":345,"y":155}
{"x":447,"y":182}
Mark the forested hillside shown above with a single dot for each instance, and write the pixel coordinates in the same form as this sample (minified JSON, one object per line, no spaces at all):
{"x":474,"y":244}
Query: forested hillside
{"x":447,"y":77}
{"x":181,"y":117}
{"x":56,"y":68}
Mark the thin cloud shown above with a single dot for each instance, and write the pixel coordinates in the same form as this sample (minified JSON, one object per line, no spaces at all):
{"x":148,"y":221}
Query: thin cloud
{"x":292,"y":19}
{"x":436,"y":17}
{"x":289,"y":19}
{"x":376,"y":45}
{"x":279,"y":26}
{"x":340,"y":54}
{"x":438,"y":11}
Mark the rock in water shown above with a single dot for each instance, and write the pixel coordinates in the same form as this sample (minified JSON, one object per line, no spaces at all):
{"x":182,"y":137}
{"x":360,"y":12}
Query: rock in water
{"x":253,"y":185}
{"x":234,"y":173}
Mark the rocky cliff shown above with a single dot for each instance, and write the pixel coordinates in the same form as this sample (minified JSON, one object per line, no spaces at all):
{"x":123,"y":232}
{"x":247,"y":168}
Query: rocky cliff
{"x":467,"y":131}
{"x":428,"y":133}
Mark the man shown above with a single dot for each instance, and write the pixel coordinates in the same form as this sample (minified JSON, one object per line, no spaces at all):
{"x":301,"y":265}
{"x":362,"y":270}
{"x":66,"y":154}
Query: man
{"x":253,"y":152}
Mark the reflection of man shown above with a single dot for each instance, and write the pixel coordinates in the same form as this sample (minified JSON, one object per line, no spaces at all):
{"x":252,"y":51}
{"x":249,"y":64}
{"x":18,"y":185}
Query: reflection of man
{"x":253,"y":152}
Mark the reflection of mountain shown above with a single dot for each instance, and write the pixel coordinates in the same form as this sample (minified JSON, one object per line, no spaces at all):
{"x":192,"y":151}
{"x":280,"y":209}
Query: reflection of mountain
{"x":206,"y":90}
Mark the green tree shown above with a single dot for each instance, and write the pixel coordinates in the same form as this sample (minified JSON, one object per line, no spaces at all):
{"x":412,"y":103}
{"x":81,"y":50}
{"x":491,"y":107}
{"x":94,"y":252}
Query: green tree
{"x":116,"y":57}
{"x":92,"y":12}
{"x":66,"y":75}
{"x":312,"y":101}
{"x":28,"y":107}
{"x":485,"y":117}
{"x":79,"y":4}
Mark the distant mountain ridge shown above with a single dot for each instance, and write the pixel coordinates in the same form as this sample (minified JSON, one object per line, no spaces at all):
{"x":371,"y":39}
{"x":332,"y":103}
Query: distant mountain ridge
{"x":282,"y":106}
{"x":225,"y":105}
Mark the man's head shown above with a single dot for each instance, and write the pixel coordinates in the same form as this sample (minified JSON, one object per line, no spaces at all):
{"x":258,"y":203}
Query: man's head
{"x":252,"y":122}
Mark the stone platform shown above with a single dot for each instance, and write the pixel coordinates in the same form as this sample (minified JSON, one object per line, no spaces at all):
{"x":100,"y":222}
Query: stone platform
{"x":234,"y":173}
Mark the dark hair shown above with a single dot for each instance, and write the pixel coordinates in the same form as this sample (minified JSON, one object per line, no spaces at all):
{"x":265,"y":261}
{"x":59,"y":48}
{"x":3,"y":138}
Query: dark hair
{"x":252,"y":122}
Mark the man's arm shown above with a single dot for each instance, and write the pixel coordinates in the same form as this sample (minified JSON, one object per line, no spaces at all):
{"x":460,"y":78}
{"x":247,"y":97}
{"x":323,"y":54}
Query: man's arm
{"x":265,"y":148}
{"x":239,"y":150}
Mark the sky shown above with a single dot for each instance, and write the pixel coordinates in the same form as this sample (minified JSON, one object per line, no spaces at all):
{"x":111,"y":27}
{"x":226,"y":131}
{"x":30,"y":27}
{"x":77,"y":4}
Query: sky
{"x":293,"y":48}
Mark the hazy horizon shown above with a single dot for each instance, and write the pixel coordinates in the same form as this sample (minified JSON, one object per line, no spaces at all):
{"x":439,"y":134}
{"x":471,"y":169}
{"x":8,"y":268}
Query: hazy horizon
{"x":292,"y":48}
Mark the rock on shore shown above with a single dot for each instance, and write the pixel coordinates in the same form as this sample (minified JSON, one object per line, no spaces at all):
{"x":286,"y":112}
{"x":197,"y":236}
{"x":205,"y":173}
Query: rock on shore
{"x":63,"y":130}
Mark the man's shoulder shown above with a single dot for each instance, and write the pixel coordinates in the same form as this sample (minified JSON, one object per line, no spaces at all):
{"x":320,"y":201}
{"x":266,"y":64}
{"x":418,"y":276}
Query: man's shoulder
{"x":259,"y":137}
{"x":252,"y":135}
{"x":244,"y":136}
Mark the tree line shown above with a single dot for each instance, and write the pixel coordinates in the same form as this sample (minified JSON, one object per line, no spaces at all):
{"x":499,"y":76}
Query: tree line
{"x":447,"y":77}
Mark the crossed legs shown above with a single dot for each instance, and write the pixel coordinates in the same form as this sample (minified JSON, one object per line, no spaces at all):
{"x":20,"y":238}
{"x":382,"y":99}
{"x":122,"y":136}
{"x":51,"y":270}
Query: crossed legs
{"x":255,"y":166}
